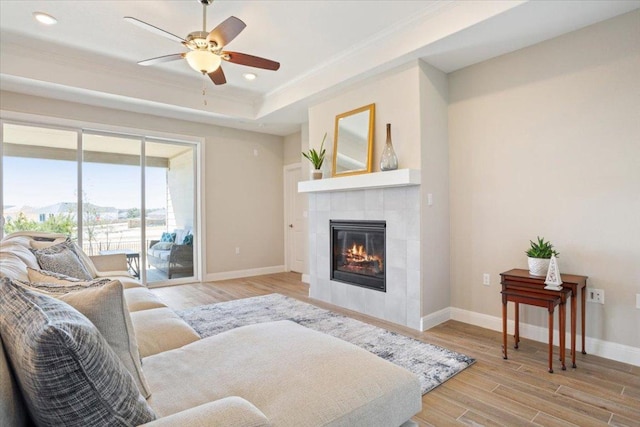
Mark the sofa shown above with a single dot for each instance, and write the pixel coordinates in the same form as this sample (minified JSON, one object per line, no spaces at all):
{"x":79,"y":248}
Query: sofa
{"x":174,"y":255}
{"x":269,"y":374}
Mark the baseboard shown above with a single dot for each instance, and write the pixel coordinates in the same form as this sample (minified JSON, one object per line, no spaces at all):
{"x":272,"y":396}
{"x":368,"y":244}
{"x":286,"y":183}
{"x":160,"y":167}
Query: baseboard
{"x":434,"y":319}
{"x":606,"y":349}
{"x":237,"y":274}
{"x":306,"y":278}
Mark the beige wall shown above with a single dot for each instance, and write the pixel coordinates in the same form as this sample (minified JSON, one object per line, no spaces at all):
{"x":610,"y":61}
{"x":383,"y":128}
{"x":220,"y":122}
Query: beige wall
{"x":396,"y":95}
{"x":244,"y":194}
{"x":292,"y":148}
{"x":434,"y":162}
{"x":545,"y":141}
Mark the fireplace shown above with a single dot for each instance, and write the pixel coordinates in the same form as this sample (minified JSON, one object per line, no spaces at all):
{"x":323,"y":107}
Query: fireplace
{"x":358,"y":253}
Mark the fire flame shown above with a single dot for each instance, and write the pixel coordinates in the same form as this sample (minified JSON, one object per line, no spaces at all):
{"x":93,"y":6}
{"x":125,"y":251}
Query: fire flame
{"x":357,"y":255}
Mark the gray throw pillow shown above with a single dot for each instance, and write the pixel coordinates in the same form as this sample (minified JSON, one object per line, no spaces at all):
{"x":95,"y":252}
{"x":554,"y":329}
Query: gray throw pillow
{"x":62,"y":259}
{"x":106,"y":308}
{"x":67,"y":372}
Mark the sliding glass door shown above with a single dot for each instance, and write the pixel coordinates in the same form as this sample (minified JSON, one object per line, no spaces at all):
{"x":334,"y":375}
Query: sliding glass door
{"x":112,"y":196}
{"x":113,"y":193}
{"x":39,"y":179}
{"x":170,"y":209}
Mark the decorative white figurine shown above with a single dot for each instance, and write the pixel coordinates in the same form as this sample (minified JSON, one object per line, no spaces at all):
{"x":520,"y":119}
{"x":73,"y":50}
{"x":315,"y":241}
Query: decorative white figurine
{"x":553,"y":280}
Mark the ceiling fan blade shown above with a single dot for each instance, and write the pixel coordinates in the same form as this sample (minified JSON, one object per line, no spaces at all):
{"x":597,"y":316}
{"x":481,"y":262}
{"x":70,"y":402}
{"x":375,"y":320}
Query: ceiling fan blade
{"x":217,"y":76}
{"x":251,"y":61}
{"x":226,"y":31}
{"x":160,"y":59}
{"x":154,"y":29}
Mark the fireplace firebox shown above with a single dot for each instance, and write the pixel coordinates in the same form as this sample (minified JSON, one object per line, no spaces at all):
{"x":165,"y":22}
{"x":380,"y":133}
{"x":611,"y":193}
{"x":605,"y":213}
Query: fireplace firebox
{"x":358,"y":253}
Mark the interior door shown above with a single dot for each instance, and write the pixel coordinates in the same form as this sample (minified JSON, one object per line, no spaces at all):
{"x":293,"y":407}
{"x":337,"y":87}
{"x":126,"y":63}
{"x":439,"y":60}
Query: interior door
{"x":295,"y":220}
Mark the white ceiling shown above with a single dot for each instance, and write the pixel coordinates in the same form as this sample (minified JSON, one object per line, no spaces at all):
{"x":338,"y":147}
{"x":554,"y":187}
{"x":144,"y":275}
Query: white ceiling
{"x":323,"y":46}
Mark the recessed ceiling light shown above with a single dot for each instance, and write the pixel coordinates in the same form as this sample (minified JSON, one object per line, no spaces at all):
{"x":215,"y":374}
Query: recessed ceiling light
{"x":44,"y":18}
{"x":249,"y":76}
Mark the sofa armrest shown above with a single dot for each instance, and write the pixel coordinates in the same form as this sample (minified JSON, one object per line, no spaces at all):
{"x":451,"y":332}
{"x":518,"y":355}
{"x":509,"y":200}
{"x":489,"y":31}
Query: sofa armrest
{"x":181,"y":254}
{"x":112,"y":262}
{"x":230,"y":411}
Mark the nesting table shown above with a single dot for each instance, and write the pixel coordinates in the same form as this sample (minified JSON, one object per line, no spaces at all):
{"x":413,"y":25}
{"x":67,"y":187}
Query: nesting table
{"x":520,"y":287}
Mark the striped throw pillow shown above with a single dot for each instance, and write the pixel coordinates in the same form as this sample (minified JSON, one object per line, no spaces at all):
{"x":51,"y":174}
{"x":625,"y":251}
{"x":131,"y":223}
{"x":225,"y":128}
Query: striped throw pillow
{"x":67,"y":372}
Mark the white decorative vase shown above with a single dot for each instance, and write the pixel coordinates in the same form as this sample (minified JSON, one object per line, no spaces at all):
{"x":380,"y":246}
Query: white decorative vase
{"x":538,"y":266}
{"x":316,"y":174}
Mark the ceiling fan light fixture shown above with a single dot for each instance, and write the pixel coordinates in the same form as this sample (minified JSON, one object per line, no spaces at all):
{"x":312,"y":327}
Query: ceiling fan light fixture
{"x":203,"y":61}
{"x":44,"y":18}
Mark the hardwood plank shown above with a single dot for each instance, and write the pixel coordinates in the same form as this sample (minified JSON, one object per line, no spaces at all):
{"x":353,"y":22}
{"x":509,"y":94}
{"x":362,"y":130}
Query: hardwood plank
{"x":463,"y":394}
{"x":434,"y":400}
{"x":621,"y":421}
{"x":547,"y":420}
{"x":617,"y":406}
{"x":559,"y":410}
{"x":632,"y":392}
{"x":470,"y":389}
{"x":472,"y":418}
{"x":517,"y":391}
{"x":436,"y":417}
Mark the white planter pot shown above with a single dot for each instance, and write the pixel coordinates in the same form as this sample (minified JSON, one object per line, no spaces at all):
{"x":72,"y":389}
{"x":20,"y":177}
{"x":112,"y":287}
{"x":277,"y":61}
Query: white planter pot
{"x":538,"y":266}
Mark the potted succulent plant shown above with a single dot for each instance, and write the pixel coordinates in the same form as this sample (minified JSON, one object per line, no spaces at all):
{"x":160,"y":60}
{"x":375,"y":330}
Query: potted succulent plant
{"x":539,"y":256}
{"x":316,"y":158}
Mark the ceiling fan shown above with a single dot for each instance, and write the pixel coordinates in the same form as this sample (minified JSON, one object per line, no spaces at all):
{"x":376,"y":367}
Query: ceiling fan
{"x":205,"y":53}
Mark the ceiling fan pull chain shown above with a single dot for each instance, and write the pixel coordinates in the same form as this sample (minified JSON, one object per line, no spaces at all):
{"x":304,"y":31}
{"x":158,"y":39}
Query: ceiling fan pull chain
{"x":204,"y":89}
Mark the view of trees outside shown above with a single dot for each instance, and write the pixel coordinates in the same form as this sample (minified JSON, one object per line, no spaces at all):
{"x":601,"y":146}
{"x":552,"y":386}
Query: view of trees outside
{"x":60,"y":223}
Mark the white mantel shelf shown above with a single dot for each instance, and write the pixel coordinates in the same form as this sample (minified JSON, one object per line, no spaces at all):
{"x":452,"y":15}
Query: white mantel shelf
{"x":396,"y":178}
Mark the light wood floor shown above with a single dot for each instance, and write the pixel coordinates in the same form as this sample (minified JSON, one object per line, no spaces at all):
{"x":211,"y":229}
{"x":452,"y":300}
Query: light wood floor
{"x":493,"y":391}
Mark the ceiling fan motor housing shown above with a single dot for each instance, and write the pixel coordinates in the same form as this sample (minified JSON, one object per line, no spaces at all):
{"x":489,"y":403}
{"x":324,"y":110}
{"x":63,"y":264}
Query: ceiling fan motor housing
{"x":198,"y":40}
{"x":205,"y":2}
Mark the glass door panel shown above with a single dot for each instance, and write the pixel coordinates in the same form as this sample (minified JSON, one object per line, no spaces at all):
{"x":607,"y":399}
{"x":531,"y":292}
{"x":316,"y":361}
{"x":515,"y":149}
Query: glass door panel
{"x":39,"y":179}
{"x":170,"y":206}
{"x":111,"y":196}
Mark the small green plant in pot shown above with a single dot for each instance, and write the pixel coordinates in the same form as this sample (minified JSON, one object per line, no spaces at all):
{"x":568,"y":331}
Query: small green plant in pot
{"x":316,"y":158}
{"x":539,"y":255}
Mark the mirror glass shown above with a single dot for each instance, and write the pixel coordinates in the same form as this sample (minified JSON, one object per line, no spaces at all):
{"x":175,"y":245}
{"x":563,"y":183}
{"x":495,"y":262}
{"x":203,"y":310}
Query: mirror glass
{"x":353,"y":142}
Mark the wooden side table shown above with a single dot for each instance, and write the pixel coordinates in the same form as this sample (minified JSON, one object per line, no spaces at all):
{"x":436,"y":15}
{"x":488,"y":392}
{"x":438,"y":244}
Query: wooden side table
{"x":518,"y":278}
{"x":523,"y":296}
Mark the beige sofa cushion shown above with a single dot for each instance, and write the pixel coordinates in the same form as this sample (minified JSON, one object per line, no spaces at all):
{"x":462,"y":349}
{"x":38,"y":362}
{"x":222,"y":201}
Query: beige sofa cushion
{"x":294,"y":375}
{"x":141,"y":298}
{"x":106,"y":308}
{"x":160,"y":329}
{"x":230,"y":411}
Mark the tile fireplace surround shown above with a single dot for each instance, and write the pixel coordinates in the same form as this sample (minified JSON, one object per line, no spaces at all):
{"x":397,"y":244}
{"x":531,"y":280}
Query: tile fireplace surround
{"x":399,"y":206}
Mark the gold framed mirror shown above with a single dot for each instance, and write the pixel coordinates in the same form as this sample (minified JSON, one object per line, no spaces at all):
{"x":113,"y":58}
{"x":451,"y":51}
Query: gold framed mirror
{"x":353,"y":141}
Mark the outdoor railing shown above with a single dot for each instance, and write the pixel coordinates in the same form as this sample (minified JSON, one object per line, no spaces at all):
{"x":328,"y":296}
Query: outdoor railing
{"x":94,"y":248}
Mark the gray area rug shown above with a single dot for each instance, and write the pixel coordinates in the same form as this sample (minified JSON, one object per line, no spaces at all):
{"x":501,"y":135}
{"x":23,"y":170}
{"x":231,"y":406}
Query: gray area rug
{"x":432,"y":364}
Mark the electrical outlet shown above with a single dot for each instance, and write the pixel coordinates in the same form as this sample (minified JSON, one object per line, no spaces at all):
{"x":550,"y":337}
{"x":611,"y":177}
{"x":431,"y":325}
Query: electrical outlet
{"x":637,"y":300}
{"x":486,"y":279}
{"x":237,"y":251}
{"x":595,"y":295}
